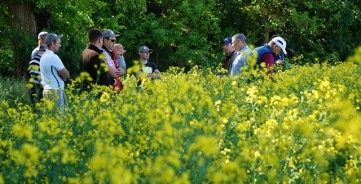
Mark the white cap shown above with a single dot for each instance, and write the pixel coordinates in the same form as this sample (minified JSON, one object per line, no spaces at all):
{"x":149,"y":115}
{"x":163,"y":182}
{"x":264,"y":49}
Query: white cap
{"x":281,"y":42}
{"x":42,"y":35}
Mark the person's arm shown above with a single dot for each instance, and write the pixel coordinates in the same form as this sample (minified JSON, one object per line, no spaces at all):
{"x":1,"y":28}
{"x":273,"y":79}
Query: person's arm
{"x":64,"y":74}
{"x":155,"y":74}
{"x":114,"y":72}
{"x":62,"y":71}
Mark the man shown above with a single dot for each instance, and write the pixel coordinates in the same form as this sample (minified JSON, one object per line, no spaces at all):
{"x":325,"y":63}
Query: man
{"x":91,"y":60}
{"x":230,"y":52}
{"x":119,"y":63}
{"x":147,"y":67}
{"x":109,"y":39}
{"x":269,"y":53}
{"x":53,"y":72}
{"x":239,"y":42}
{"x":34,"y":76}
{"x":118,"y":53}
{"x":41,"y":41}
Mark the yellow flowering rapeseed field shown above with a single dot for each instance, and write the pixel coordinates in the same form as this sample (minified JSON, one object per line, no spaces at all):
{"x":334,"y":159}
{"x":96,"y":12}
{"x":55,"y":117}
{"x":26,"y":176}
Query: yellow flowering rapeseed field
{"x":301,"y":126}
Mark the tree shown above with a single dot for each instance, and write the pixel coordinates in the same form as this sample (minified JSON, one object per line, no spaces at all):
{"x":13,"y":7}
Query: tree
{"x":23,"y":27}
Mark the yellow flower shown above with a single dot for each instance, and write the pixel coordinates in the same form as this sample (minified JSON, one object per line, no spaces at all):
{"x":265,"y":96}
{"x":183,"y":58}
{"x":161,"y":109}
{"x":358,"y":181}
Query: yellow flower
{"x":105,"y":97}
{"x":25,"y":131}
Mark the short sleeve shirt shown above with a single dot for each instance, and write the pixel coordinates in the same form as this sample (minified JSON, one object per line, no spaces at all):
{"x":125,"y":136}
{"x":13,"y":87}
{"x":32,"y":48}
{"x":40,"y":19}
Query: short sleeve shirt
{"x":50,"y":64}
{"x":149,"y":67}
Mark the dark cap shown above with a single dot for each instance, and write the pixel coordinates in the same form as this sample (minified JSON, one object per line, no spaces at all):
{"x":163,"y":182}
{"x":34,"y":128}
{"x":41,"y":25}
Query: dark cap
{"x":227,"y":40}
{"x":109,"y":33}
{"x":144,"y":48}
{"x":52,"y":37}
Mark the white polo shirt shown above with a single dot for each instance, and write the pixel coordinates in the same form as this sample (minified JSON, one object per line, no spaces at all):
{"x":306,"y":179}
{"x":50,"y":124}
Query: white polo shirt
{"x":50,"y":64}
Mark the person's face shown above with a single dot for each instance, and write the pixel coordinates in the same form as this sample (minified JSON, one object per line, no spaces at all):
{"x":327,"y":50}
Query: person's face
{"x":117,"y":52}
{"x":237,"y":44}
{"x":144,"y":55}
{"x":56,"y":45}
{"x":228,"y":48}
{"x":276,"y":49}
{"x":109,"y":42}
{"x":41,"y":41}
{"x":122,"y":50}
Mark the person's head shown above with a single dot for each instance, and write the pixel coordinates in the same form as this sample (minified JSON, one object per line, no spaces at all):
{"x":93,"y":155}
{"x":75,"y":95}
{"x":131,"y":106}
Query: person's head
{"x":52,"y":40}
{"x":278,"y":45}
{"x":95,"y":37}
{"x":144,"y":52}
{"x":41,"y":37}
{"x":118,"y":50}
{"x":239,"y":41}
{"x":227,"y":46}
{"x":109,"y":39}
{"x":274,"y":36}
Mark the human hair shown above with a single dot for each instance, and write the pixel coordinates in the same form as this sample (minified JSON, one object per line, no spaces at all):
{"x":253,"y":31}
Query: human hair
{"x":94,"y":34}
{"x":241,"y":37}
{"x":274,"y":36}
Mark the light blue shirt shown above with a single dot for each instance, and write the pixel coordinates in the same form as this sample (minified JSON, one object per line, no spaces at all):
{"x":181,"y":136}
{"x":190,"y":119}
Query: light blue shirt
{"x":121,"y":63}
{"x":240,"y":61}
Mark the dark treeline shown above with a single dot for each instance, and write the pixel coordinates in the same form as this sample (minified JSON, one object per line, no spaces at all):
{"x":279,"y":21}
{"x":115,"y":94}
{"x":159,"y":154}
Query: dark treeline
{"x":181,"y":32}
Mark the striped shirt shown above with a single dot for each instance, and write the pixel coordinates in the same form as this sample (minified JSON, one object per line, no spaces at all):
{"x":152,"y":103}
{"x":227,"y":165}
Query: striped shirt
{"x":34,"y":69}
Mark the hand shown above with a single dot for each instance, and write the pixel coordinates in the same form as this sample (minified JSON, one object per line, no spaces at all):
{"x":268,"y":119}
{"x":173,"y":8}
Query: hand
{"x":122,"y":71}
{"x":119,"y":72}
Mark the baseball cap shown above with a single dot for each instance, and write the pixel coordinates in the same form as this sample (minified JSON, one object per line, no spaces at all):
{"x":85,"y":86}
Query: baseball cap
{"x":43,"y":47}
{"x":109,"y":33}
{"x":227,"y":40}
{"x":144,"y":48}
{"x":52,"y":37}
{"x":281,"y":42}
{"x":42,"y":35}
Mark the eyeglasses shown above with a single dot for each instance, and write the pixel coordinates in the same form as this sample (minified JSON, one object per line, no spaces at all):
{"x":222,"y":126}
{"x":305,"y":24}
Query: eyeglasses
{"x":144,"y":51}
{"x":112,"y":40}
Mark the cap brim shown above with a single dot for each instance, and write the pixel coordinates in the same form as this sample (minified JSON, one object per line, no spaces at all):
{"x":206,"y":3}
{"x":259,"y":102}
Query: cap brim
{"x":284,"y":51}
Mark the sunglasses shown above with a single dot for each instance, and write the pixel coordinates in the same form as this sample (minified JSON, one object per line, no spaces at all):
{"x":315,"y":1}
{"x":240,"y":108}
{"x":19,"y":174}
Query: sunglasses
{"x":144,"y":51}
{"x":113,"y":40}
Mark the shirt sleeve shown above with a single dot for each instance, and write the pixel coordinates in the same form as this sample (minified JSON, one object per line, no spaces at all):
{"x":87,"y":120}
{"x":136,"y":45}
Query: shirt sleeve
{"x":154,"y":67}
{"x":57,"y":63}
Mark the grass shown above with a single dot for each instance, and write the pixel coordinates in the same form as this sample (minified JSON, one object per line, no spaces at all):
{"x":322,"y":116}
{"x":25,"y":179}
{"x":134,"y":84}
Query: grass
{"x":13,"y":91}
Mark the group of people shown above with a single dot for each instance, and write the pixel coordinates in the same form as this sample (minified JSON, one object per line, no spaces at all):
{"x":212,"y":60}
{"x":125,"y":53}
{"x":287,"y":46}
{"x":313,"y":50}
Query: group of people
{"x":103,"y":59}
{"x":238,"y":53}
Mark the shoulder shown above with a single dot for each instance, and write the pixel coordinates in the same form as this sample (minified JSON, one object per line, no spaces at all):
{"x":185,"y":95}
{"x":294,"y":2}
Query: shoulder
{"x":151,"y":64}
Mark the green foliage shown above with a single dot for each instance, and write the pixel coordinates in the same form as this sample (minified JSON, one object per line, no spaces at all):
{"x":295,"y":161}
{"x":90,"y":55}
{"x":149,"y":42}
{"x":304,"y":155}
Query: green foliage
{"x":7,"y":67}
{"x":188,"y":33}
{"x":13,"y":91}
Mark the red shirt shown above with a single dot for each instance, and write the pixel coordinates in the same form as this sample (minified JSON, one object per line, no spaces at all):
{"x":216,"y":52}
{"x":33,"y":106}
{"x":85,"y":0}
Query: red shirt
{"x":119,"y":85}
{"x":226,"y":61}
{"x":270,"y":61}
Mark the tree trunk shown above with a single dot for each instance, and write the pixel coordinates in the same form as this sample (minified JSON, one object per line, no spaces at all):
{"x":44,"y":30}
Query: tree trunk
{"x":23,"y":25}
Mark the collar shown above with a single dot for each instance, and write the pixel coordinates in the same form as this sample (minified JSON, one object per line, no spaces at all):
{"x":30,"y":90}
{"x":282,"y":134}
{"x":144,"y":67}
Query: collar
{"x":95,"y":48}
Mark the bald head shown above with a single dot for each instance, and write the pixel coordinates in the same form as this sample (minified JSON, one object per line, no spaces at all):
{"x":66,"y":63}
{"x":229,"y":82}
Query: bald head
{"x":118,"y":50}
